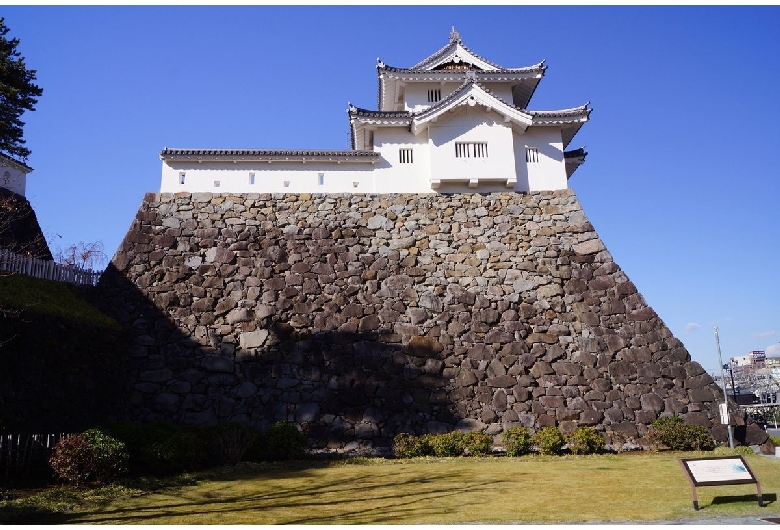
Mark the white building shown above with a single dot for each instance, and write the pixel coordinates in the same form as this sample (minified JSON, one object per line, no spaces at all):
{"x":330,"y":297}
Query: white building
{"x":13,"y":175}
{"x":756,"y":358}
{"x":453,"y":122}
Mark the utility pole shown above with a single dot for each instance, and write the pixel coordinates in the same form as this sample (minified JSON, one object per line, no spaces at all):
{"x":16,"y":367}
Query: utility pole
{"x":724,"y":413}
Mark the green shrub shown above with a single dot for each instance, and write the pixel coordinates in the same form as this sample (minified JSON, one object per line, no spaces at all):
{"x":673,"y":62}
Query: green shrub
{"x":184,"y":450}
{"x":478,"y":443}
{"x":111,"y":458}
{"x":455,"y":443}
{"x":517,"y":441}
{"x":675,"y":434}
{"x":284,"y":442}
{"x":73,"y":460}
{"x":163,"y":448}
{"x":698,"y":438}
{"x":585,"y":441}
{"x":667,"y":421}
{"x":724,"y":450}
{"x":448,"y":444}
{"x":775,"y":440}
{"x":549,"y":441}
{"x":132,"y":435}
{"x":407,"y":445}
{"x":426,"y":444}
{"x":229,"y":442}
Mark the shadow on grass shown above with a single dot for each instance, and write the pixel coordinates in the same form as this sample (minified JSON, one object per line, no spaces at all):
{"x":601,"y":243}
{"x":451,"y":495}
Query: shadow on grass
{"x":297,"y":502}
{"x":768,"y":498}
{"x":55,"y":504}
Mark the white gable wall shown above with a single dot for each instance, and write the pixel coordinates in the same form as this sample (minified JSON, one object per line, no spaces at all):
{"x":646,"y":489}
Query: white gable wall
{"x":471,"y":124}
{"x":416,"y":94}
{"x":13,"y":179}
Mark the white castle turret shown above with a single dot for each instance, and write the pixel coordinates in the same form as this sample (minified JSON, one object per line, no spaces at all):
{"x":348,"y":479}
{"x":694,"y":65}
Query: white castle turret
{"x":13,"y":175}
{"x":453,"y":122}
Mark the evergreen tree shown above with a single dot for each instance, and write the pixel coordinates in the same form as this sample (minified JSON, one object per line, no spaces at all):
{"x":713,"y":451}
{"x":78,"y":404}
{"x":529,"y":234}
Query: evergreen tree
{"x":18,"y":93}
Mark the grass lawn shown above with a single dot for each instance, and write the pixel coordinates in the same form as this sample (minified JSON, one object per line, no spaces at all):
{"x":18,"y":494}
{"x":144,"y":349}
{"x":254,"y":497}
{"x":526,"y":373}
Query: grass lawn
{"x":630,"y":487}
{"x":47,"y":297}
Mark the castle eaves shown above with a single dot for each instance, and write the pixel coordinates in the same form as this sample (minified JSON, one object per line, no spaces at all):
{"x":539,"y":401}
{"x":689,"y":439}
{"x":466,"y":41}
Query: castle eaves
{"x":267,"y":154}
{"x":449,"y":49}
{"x":8,"y":161}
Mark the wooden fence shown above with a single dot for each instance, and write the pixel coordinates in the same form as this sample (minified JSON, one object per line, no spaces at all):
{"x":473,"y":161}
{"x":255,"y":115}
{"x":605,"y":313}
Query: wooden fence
{"x":47,"y":269}
{"x":24,"y":454}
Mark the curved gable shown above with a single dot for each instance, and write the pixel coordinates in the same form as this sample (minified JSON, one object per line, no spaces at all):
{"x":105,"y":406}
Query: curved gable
{"x":471,"y":94}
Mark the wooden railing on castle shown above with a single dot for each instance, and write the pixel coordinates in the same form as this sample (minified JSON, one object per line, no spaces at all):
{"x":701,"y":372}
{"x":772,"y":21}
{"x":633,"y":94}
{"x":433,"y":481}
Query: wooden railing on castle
{"x":47,"y":270}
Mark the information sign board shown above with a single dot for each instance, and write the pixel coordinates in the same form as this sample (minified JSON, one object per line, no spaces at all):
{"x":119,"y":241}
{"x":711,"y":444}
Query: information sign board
{"x":719,"y":471}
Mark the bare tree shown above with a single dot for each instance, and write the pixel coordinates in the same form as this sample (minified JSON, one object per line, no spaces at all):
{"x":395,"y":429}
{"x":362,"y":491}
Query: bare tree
{"x":82,"y":255}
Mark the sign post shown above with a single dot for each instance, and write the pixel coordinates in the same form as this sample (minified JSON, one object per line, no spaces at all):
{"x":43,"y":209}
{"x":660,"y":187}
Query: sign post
{"x":719,"y":471}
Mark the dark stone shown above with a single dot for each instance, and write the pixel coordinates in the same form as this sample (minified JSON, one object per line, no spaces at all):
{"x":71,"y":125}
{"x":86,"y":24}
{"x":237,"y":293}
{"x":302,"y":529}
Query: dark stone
{"x":752,"y":434}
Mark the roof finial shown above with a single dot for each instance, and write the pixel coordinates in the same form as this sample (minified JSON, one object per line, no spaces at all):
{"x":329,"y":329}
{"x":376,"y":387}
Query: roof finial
{"x":454,"y":35}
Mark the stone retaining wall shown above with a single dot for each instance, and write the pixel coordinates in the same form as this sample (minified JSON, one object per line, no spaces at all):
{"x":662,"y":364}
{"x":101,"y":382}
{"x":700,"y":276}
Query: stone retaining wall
{"x":362,"y":316}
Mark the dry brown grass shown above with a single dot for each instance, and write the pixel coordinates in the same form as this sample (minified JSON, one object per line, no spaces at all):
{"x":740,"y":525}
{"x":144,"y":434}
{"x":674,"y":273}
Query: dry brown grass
{"x":631,"y":487}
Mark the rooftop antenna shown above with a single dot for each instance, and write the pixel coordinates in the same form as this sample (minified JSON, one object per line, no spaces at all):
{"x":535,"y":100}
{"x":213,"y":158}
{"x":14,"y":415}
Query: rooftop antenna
{"x":724,"y":407}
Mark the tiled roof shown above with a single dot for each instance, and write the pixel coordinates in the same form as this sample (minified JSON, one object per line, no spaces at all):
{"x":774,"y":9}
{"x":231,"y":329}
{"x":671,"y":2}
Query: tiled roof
{"x":545,"y":115}
{"x":540,"y":117}
{"x":446,"y":50}
{"x":356,"y":111}
{"x":455,"y":94}
{"x":255,"y":153}
{"x":524,"y":70}
{"x":8,"y":161}
{"x":575,"y":153}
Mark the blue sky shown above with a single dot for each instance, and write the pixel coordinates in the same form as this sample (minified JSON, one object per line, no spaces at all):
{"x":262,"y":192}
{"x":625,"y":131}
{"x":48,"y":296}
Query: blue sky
{"x":681,"y":183}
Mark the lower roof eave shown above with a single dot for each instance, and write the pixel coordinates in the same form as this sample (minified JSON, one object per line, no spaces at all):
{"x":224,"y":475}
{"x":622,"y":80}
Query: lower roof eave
{"x":271,"y":160}
{"x":271,"y":156}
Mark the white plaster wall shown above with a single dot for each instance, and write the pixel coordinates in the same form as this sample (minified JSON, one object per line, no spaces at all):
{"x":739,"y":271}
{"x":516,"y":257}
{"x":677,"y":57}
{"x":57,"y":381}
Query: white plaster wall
{"x":391,"y":175}
{"x":416,"y":94}
{"x":549,"y":173}
{"x":13,"y":179}
{"x":288,"y":177}
{"x":434,"y":157}
{"x":471,"y":124}
{"x":500,"y":90}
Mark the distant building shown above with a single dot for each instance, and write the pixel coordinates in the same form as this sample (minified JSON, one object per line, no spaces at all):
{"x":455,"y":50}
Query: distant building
{"x":13,"y":175}
{"x":454,"y":122}
{"x":755,"y":359}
